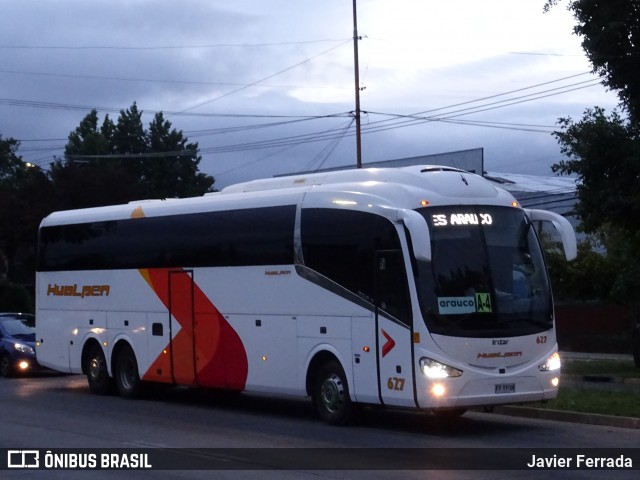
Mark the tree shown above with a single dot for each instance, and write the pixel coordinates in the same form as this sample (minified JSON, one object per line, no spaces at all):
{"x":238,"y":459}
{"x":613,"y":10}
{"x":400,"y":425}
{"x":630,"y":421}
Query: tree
{"x":588,"y":278}
{"x":25,"y":198}
{"x":87,"y":139}
{"x":129,"y":136}
{"x":610,"y":32}
{"x":604,"y":151}
{"x":175,"y":172}
{"x":119,"y":162}
{"x":10,"y":164}
{"x":89,"y":175}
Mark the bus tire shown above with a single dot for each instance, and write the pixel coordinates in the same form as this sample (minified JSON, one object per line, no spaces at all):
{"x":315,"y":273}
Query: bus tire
{"x":98,"y":377}
{"x":126,"y":374}
{"x":331,"y":394}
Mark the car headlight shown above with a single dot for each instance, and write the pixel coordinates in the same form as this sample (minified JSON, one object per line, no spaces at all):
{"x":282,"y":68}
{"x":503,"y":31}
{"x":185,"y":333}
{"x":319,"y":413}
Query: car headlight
{"x":433,"y":369}
{"x":21,"y":347}
{"x":552,"y":363}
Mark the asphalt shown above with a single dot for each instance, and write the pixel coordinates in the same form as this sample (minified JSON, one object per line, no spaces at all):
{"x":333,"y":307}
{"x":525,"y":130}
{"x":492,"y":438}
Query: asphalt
{"x":587,"y":382}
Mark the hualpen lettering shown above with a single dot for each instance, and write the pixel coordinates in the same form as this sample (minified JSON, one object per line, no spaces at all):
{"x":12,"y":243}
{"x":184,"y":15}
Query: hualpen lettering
{"x":78,"y":291}
{"x":499,"y":354}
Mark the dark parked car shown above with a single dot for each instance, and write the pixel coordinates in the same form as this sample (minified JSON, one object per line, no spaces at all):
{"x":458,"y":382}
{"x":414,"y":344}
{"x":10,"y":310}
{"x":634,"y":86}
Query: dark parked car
{"x":17,"y":343}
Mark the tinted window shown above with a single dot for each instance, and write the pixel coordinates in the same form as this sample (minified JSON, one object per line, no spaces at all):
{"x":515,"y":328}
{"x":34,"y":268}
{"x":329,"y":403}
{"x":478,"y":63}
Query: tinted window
{"x":348,"y":247}
{"x":262,"y":236}
{"x":487,"y":277}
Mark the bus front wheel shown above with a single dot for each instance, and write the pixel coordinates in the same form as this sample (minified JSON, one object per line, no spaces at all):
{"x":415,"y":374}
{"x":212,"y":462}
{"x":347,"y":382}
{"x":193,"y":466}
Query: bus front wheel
{"x":126,"y":373}
{"x":97,"y":374}
{"x":331,"y":394}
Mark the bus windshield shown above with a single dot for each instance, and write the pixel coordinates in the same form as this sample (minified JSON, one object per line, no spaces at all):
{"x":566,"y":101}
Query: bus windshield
{"x":487,"y":275}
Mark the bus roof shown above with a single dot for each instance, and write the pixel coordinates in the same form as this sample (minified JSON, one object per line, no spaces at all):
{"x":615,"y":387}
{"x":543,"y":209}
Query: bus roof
{"x":399,"y":188}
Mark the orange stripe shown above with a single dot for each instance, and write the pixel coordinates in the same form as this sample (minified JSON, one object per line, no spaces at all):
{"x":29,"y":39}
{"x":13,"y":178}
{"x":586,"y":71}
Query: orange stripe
{"x":220,"y":356}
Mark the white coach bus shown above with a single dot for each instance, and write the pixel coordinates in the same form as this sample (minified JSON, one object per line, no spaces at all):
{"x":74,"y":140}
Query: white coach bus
{"x":418,"y":287}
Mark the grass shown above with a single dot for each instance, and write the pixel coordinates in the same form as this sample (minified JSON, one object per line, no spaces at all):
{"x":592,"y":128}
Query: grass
{"x":618,"y":368}
{"x":624,"y":403}
{"x":604,"y":402}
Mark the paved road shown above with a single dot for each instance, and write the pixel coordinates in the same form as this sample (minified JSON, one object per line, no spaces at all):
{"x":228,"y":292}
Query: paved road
{"x":49,"y":412}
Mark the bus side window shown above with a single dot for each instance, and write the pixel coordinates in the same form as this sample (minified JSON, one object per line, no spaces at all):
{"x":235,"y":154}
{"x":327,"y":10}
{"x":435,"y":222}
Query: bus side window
{"x":342,"y":245}
{"x":391,"y":293}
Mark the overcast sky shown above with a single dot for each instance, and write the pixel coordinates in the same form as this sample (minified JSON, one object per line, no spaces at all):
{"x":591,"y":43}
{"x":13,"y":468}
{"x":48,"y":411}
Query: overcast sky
{"x":267,"y":86}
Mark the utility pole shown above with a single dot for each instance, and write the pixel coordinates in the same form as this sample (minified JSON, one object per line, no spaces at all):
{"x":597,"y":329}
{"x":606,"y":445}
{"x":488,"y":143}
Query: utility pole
{"x":357,"y":79}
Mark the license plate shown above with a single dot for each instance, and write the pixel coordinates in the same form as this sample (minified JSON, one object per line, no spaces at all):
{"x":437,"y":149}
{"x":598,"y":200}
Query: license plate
{"x":506,"y":388}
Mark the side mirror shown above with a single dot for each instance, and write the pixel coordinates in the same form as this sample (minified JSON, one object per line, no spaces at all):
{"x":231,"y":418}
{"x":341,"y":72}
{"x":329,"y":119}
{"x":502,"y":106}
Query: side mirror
{"x":419,"y":231}
{"x":563,"y":227}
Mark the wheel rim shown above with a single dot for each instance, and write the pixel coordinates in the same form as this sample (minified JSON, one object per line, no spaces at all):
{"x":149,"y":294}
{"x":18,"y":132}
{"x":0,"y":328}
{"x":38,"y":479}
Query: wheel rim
{"x":332,"y":393}
{"x":127,"y":374}
{"x":95,"y":368}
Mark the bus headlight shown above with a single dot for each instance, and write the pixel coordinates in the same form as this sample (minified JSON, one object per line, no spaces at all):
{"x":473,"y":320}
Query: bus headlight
{"x":552,"y":363}
{"x":433,"y":369}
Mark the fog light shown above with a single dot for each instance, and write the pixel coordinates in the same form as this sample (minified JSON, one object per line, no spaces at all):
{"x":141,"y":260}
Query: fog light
{"x":23,"y":365}
{"x":555,"y":381}
{"x":438,"y":390}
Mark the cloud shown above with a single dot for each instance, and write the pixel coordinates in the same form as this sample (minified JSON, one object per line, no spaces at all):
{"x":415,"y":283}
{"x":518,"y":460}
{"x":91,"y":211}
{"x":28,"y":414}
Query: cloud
{"x":204,"y":62}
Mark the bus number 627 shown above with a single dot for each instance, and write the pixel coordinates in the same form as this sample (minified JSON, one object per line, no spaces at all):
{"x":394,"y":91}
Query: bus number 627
{"x":395,"y":383}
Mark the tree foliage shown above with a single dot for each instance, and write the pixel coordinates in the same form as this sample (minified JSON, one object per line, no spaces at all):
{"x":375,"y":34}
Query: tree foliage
{"x":122,"y":161}
{"x":25,"y":194}
{"x":105,"y":162}
{"x":588,"y":278}
{"x":603,"y":151}
{"x":610,"y":32}
{"x":89,"y":175}
{"x":174,"y":169}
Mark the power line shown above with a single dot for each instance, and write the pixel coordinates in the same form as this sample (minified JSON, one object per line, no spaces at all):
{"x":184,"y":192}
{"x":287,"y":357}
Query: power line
{"x":68,"y":106}
{"x":509,"y":92}
{"x":244,"y":128}
{"x":415,"y":119}
{"x":157,"y":80}
{"x":268,"y":77}
{"x":397,"y":121}
{"x":165,"y":47}
{"x":547,"y":54}
{"x":323,"y":155}
{"x":410,"y":120}
{"x":407,"y":120}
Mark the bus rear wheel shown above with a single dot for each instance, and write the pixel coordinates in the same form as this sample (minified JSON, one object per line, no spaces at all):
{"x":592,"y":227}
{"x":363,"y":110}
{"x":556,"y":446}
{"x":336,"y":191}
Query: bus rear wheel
{"x":331,"y":394}
{"x":126,"y":373}
{"x":97,"y":374}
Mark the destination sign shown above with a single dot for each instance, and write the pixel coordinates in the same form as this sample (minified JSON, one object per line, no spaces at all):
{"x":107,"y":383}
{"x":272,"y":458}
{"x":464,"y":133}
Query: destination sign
{"x":461,"y":219}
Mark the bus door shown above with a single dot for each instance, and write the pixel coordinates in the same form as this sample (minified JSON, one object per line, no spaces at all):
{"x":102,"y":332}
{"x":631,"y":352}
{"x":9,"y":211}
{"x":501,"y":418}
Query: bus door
{"x":182,"y":327}
{"x":394,"y":331}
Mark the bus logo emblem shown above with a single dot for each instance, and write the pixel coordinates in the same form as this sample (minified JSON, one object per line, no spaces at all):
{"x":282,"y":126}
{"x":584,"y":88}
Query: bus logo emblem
{"x":389,"y":344}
